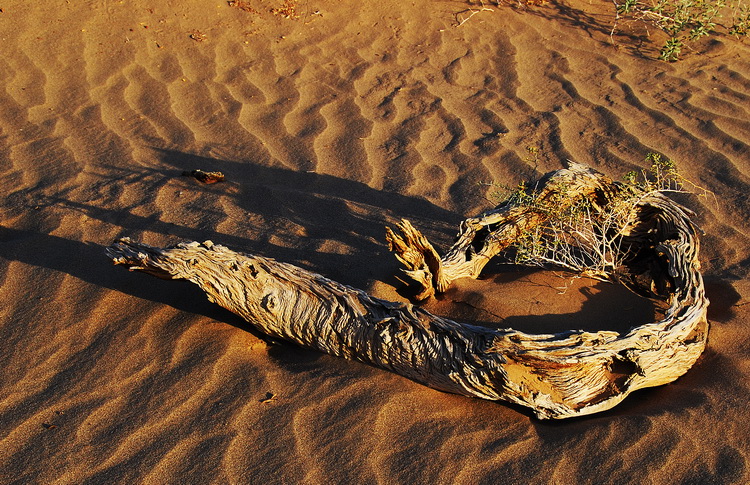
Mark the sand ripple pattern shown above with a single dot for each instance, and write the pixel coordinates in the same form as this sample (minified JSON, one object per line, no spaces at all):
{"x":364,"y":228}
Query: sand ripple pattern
{"x":328,"y":127}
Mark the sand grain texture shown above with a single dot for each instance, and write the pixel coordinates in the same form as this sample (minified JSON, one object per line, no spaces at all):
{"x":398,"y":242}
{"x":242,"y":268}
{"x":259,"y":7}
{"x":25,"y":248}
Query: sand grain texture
{"x":327,"y":128}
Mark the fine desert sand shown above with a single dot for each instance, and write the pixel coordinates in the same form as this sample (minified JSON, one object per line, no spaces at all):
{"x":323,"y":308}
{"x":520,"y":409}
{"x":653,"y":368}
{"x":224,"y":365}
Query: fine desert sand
{"x":329,"y":125}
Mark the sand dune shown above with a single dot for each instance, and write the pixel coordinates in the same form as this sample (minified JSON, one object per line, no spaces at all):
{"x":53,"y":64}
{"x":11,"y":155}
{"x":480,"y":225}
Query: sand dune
{"x":329,"y":127}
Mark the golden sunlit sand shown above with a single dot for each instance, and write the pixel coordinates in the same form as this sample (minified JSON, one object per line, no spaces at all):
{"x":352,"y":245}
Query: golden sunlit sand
{"x":328,"y":126}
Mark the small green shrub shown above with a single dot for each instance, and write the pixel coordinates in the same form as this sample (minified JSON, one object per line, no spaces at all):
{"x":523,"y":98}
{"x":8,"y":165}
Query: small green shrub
{"x":685,"y":21}
{"x":586,"y":236}
{"x":741,"y":21}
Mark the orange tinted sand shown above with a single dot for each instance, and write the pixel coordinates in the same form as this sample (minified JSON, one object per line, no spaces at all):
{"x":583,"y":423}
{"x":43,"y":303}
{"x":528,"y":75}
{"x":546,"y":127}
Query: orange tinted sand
{"x":327,"y":128}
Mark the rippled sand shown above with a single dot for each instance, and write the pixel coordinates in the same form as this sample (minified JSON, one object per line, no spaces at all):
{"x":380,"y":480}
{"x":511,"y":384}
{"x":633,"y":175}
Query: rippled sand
{"x":328,"y":128}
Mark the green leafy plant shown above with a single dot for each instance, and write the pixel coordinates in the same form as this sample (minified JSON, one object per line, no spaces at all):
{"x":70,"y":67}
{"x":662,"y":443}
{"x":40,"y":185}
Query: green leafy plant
{"x":587,"y":237}
{"x":741,"y":21}
{"x":684,"y":21}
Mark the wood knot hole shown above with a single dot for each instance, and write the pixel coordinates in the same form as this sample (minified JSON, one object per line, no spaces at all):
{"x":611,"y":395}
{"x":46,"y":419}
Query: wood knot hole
{"x":270,"y":303}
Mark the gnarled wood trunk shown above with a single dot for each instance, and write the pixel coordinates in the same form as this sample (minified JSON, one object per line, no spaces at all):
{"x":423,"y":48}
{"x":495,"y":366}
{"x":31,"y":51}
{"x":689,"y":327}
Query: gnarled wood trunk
{"x":483,"y":237}
{"x":557,"y":376}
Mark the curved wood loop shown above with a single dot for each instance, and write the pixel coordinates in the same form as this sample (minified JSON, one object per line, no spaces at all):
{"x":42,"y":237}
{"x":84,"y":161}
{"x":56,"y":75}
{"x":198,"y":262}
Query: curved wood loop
{"x":557,"y":376}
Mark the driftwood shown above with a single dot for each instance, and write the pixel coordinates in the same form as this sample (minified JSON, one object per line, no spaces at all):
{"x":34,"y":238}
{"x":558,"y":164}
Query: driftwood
{"x":557,"y":376}
{"x":483,"y":237}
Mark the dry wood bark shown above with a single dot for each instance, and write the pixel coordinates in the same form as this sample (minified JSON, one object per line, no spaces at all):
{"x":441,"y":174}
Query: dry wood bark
{"x":557,"y":376}
{"x":483,"y":237}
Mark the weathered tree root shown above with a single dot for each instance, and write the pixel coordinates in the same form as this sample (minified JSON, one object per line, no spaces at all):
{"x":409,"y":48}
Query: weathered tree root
{"x":557,"y":376}
{"x":483,"y":237}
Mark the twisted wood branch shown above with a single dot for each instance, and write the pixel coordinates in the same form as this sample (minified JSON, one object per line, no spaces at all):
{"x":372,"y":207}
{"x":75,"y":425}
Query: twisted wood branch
{"x":557,"y":376}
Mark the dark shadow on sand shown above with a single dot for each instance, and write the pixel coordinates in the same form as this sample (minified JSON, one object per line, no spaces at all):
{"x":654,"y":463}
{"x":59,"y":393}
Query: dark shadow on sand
{"x":330,"y":208}
{"x":327,"y":208}
{"x":597,"y":26}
